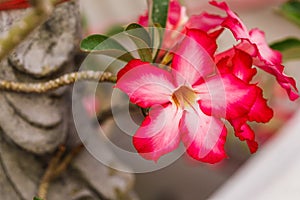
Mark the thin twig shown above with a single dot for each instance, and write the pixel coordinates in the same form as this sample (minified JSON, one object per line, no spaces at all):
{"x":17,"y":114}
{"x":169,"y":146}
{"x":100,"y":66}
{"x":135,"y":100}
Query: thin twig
{"x":47,"y":177}
{"x":66,"y":79}
{"x":63,"y":165}
{"x":41,"y":10}
{"x":55,"y":168}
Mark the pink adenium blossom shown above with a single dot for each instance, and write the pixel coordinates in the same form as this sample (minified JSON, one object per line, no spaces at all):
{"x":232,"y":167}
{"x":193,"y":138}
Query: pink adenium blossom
{"x":189,"y":103}
{"x":204,"y":89}
{"x":176,"y":19}
{"x":252,"y":42}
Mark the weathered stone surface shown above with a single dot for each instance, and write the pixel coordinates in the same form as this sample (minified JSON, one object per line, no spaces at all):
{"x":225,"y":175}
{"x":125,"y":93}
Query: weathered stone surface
{"x":22,"y":169}
{"x":29,"y":137}
{"x":37,"y":124}
{"x":56,"y":38}
{"x":44,"y":112}
{"x":7,"y":191}
{"x":8,"y":18}
{"x":70,"y":186}
{"x":109,"y":182}
{"x":20,"y":174}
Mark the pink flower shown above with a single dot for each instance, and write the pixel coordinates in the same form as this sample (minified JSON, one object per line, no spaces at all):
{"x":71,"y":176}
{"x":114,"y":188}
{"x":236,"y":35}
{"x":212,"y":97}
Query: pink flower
{"x":176,"y":16}
{"x":252,"y":42}
{"x":176,"y":19}
{"x":190,"y":102}
{"x":240,"y":64}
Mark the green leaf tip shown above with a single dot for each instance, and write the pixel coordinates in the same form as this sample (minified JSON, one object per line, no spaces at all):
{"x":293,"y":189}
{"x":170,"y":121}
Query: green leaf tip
{"x":290,"y":48}
{"x":291,"y":10}
{"x":105,"y":45}
{"x":159,"y":12}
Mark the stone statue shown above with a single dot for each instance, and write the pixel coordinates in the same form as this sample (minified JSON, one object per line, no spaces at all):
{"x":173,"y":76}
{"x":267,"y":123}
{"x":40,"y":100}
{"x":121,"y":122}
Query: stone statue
{"x":32,"y":126}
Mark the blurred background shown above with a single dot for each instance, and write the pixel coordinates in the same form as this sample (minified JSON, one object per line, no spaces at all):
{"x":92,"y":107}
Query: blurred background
{"x":186,"y":179}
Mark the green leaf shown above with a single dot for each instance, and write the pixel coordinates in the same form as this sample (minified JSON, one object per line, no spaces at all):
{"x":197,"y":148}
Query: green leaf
{"x":157,"y":35}
{"x":143,"y":49}
{"x":102,"y":44}
{"x":140,"y":32}
{"x":159,"y":12}
{"x":114,"y":30}
{"x":142,"y":40}
{"x":36,"y":198}
{"x":99,"y":42}
{"x":291,"y":10}
{"x":290,"y":48}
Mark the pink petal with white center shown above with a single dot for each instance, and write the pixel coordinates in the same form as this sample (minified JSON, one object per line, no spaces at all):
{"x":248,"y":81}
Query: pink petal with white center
{"x":205,"y":22}
{"x":192,"y":60}
{"x":145,"y":84}
{"x":260,"y":111}
{"x":159,"y":132}
{"x":226,"y":96}
{"x":203,"y":136}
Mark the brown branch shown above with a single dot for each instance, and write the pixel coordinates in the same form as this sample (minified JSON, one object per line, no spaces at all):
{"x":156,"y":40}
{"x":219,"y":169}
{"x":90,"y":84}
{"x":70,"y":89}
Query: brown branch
{"x":47,"y":177}
{"x":66,"y":161}
{"x":56,"y":167}
{"x":66,"y":79}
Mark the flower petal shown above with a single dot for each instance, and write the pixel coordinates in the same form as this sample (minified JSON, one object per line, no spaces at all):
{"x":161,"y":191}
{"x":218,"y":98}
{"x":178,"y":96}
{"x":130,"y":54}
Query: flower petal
{"x":159,"y":132}
{"x":260,"y":111}
{"x":145,"y":84}
{"x":232,"y":21}
{"x":204,"y":22}
{"x":143,"y":19}
{"x":253,"y":146}
{"x":203,"y":136}
{"x":226,"y":96}
{"x":254,"y":43}
{"x":174,"y":13}
{"x":192,"y":60}
{"x":244,"y":132}
{"x":238,"y":63}
{"x":265,"y":52}
{"x":269,"y":60}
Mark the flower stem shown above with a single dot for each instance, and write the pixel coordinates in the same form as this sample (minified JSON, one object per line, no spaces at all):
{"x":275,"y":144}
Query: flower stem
{"x":66,"y":79}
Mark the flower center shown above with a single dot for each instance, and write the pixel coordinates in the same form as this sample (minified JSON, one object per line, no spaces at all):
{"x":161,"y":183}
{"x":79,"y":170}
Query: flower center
{"x":184,"y":97}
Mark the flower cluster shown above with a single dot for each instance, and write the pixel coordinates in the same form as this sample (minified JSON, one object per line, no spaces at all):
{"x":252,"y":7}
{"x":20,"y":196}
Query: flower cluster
{"x":191,"y":102}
